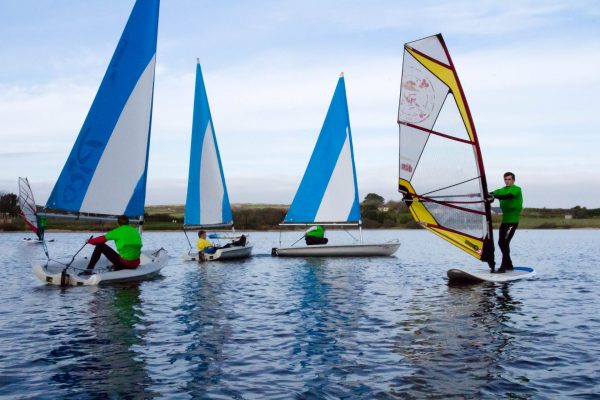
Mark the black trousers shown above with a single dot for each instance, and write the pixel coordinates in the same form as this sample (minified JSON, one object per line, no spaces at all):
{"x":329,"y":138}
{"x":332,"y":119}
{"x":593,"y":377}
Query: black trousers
{"x":507,"y":231}
{"x":311,"y":240}
{"x":109,"y":253}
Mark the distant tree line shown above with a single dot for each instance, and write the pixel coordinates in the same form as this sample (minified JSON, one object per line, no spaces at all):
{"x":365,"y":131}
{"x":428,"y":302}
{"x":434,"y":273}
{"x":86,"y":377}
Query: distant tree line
{"x":576,"y":212}
{"x":375,"y":212}
{"x":9,"y":204}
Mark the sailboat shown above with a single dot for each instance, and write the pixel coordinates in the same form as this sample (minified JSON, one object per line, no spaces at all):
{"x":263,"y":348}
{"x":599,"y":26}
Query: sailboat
{"x":105,"y":173}
{"x":207,"y":202}
{"x":328,"y":193}
{"x":442,"y":176}
{"x":29,"y":212}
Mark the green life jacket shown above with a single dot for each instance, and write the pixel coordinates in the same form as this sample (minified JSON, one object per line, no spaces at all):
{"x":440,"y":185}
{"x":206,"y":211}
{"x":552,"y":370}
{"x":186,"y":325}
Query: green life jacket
{"x":127,"y":240}
{"x":511,"y":208}
{"x":318,"y":233}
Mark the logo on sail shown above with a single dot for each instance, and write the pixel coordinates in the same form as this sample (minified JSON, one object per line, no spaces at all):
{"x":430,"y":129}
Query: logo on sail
{"x":473,"y":246}
{"x":407,"y":167}
{"x":418,"y":97}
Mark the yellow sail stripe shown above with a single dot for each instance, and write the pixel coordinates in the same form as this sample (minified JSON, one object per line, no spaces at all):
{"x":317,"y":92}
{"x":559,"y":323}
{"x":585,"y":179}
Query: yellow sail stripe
{"x":446,"y":75}
{"x":424,"y":218}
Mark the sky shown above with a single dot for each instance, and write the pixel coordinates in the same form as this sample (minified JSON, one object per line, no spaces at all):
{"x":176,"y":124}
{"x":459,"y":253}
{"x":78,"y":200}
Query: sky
{"x":528,"y":69}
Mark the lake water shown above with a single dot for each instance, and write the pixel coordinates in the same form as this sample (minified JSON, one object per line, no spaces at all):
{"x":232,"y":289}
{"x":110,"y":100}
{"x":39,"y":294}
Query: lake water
{"x":307,"y":328}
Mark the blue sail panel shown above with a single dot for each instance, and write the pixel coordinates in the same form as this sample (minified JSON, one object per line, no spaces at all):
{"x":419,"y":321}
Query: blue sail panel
{"x":328,"y":191}
{"x":109,"y":159}
{"x":207,"y":201}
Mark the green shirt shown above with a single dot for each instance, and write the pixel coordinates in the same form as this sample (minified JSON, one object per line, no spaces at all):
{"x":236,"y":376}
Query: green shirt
{"x":511,"y":208}
{"x":319,"y":232}
{"x":127,"y":240}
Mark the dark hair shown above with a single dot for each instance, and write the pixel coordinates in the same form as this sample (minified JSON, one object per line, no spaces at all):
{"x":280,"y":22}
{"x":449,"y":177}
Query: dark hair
{"x":509,"y":174}
{"x":200,"y":233}
{"x":122,"y":220}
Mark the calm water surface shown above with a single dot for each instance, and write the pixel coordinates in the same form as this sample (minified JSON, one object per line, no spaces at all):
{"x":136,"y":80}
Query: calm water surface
{"x":307,"y":328}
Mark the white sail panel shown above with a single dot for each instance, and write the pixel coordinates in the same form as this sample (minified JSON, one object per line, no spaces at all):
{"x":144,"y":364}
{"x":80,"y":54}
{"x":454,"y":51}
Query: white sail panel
{"x":412,"y":142}
{"x":422,"y":94}
{"x":450,"y":122}
{"x":211,"y":184}
{"x":431,"y":47}
{"x":112,"y":185}
{"x":339,"y":195}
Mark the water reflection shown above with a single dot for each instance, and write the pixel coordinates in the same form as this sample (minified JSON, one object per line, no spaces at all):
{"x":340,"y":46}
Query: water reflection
{"x":468,"y":323}
{"x":96,"y":355}
{"x":206,"y":327}
{"x":329,"y":310}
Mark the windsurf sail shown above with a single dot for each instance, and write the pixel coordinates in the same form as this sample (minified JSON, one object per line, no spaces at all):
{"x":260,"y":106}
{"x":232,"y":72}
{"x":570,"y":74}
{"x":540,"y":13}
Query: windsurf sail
{"x":328,"y":192}
{"x":442,"y":177}
{"x":105,"y":173}
{"x":207,"y":201}
{"x":29,"y":209}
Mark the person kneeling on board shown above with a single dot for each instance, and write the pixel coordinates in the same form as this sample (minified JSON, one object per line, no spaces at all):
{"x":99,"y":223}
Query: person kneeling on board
{"x":511,"y":203}
{"x":315,"y":235}
{"x":129,"y":247}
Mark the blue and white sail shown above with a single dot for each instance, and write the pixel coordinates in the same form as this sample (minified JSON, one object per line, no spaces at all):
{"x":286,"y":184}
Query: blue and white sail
{"x":105,"y":173}
{"x":207,"y":202}
{"x":328,"y":192}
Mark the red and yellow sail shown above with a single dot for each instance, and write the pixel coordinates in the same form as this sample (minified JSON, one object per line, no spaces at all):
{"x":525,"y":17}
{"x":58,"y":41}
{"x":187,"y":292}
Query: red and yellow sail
{"x":441,"y":169}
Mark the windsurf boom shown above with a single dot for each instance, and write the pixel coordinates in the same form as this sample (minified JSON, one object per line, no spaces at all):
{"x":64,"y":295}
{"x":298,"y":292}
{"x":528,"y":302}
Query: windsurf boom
{"x":441,"y":171}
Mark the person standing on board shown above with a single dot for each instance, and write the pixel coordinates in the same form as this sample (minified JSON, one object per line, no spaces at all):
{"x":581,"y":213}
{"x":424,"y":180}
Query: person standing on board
{"x":129,"y":247}
{"x":511,"y":203}
{"x":315,"y":235}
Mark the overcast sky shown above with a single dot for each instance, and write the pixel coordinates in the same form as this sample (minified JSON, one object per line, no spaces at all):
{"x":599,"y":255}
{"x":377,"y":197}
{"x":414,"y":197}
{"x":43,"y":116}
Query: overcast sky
{"x":529,"y":70}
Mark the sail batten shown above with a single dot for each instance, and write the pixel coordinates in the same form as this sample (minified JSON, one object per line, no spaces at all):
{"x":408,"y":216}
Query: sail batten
{"x":328,"y":192}
{"x":207,"y":201}
{"x":105,"y":173}
{"x":439,"y":151}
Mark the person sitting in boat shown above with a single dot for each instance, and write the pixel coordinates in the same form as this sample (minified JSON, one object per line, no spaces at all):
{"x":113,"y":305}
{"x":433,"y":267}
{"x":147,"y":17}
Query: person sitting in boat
{"x":511,"y":203}
{"x":204,"y":245}
{"x":315,"y":235}
{"x":129,"y":247}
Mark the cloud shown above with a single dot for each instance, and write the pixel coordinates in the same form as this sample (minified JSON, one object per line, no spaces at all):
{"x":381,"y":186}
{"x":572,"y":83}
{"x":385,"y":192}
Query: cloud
{"x":270,"y":79}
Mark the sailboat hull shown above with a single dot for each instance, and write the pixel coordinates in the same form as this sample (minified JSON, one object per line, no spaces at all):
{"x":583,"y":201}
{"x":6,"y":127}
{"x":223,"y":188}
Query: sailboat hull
{"x":151,"y":263}
{"x":347,"y":250}
{"x":229,"y":253}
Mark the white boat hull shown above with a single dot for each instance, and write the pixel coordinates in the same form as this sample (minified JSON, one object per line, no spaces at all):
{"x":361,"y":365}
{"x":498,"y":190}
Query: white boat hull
{"x":345,"y":250}
{"x":229,"y":253}
{"x":152,"y":262}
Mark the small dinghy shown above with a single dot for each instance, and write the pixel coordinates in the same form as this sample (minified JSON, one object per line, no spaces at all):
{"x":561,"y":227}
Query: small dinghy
{"x":207,"y":202}
{"x":106,"y":172}
{"x":328,"y":192}
{"x":54,"y":273}
{"x":229,"y":253}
